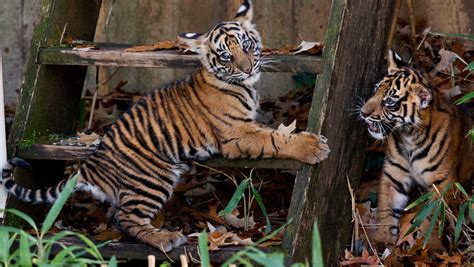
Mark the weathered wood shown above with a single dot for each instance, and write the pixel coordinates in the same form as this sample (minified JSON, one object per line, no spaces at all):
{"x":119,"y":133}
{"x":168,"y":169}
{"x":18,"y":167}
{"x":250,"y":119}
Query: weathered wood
{"x":128,"y":250}
{"x":49,"y":101}
{"x":116,"y":56}
{"x":355,"y":47}
{"x":55,"y":152}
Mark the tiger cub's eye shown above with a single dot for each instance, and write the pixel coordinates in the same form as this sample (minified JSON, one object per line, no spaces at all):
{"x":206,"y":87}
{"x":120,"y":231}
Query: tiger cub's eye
{"x":389,"y":102}
{"x":247,"y":45}
{"x":225,"y":56}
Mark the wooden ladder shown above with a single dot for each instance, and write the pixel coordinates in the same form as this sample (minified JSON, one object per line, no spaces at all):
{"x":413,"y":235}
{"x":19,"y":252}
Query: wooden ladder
{"x":354,"y":49}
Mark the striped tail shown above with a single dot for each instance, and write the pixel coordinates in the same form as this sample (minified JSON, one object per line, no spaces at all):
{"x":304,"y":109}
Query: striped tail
{"x":45,"y":195}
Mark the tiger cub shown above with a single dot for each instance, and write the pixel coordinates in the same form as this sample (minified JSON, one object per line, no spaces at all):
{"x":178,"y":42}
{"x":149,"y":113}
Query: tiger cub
{"x":212,"y":111}
{"x":424,"y":142}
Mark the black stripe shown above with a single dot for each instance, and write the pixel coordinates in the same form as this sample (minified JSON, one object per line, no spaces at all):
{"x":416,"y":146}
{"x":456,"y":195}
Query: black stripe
{"x":397,"y":213}
{"x":237,"y":118}
{"x":424,"y":151}
{"x":137,"y":202}
{"x":239,"y":97}
{"x":273,"y":141}
{"x":393,"y":163}
{"x":144,"y":193}
{"x":207,"y":108}
{"x":398,"y":186}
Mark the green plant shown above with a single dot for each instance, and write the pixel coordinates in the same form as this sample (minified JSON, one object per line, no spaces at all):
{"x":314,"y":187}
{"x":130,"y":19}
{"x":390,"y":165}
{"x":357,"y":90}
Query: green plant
{"x":251,"y":254}
{"x":36,"y":249}
{"x":434,"y":205}
{"x":466,"y":98}
{"x":246,"y":184}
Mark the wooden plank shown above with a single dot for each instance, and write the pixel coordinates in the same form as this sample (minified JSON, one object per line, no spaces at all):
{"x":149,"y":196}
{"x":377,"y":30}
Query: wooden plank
{"x":56,"y":152}
{"x":49,"y":99}
{"x":3,"y":140}
{"x":355,"y":48}
{"x":116,"y":56}
{"x":128,"y":250}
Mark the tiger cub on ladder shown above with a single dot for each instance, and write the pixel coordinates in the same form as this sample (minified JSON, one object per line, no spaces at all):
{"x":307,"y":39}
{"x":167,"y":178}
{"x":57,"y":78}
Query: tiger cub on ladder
{"x":212,"y":111}
{"x":424,"y":142}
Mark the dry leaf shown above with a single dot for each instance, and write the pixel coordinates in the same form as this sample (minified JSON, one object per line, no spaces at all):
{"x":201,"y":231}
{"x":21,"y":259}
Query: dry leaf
{"x":287,"y":129}
{"x":205,"y":189}
{"x":211,"y":215}
{"x":91,"y":139}
{"x":365,"y":258}
{"x":219,"y":239}
{"x":234,"y":221}
{"x":309,"y":47}
{"x":85,"y":48}
{"x":81,"y":139}
{"x":304,"y":47}
{"x":106,"y":235}
{"x":167,"y":44}
{"x":450,"y":259}
{"x":451,"y":93}
{"x":59,"y":225}
{"x":104,"y":117}
{"x":159,"y":220}
{"x":446,"y":62}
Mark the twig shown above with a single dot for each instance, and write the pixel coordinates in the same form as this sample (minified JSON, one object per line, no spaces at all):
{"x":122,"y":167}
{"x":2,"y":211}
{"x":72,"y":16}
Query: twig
{"x":94,"y":98}
{"x":393,"y":26}
{"x":354,"y":219}
{"x":221,"y":172}
{"x":425,"y":34}
{"x":412,"y":23}
{"x":367,"y":236}
{"x":193,"y":260}
{"x":91,"y":115}
{"x":62,"y":35}
{"x":166,"y":254}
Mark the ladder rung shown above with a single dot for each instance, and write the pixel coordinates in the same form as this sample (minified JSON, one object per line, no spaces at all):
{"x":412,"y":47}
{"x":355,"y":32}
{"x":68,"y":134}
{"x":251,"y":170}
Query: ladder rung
{"x":136,"y":251}
{"x":55,"y":152}
{"x":110,"y":55}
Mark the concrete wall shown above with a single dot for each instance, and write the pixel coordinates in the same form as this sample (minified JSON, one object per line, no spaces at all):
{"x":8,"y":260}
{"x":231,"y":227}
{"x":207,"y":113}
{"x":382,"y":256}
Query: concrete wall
{"x":280,"y":23}
{"x":17,"y":22}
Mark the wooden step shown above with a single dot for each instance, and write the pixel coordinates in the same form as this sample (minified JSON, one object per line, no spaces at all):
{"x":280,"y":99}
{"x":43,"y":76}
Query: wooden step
{"x":115,"y":55}
{"x":135,"y":251}
{"x":56,"y":152}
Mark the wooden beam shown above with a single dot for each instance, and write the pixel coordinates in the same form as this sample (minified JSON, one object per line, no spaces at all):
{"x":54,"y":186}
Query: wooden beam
{"x":56,"y":152}
{"x":128,"y":250}
{"x":49,"y":98}
{"x":114,"y":55}
{"x":354,"y":51}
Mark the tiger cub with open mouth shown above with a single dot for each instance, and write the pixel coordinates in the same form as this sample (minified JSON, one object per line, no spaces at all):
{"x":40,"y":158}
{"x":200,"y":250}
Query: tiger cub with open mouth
{"x":212,"y":111}
{"x":425,"y":142}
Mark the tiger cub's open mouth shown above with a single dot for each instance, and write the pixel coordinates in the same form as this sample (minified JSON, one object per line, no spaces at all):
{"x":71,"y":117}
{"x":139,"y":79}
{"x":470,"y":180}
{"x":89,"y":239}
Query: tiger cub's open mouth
{"x":375,"y":129}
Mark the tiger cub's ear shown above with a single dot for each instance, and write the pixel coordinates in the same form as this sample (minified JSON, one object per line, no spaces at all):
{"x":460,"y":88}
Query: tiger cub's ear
{"x":395,"y":62}
{"x":245,"y":14}
{"x":193,"y":40}
{"x":424,"y":94}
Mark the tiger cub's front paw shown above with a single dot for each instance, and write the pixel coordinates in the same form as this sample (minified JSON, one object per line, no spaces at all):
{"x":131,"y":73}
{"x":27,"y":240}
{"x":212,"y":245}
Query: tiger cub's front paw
{"x":311,"y":148}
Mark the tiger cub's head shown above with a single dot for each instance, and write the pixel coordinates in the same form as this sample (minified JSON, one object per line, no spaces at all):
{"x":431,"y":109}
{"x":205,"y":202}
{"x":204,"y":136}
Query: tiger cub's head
{"x":398,"y":101}
{"x":231,"y":50}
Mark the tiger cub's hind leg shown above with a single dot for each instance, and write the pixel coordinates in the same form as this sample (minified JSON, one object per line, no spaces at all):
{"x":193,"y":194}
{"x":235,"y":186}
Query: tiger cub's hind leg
{"x":134,"y":218}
